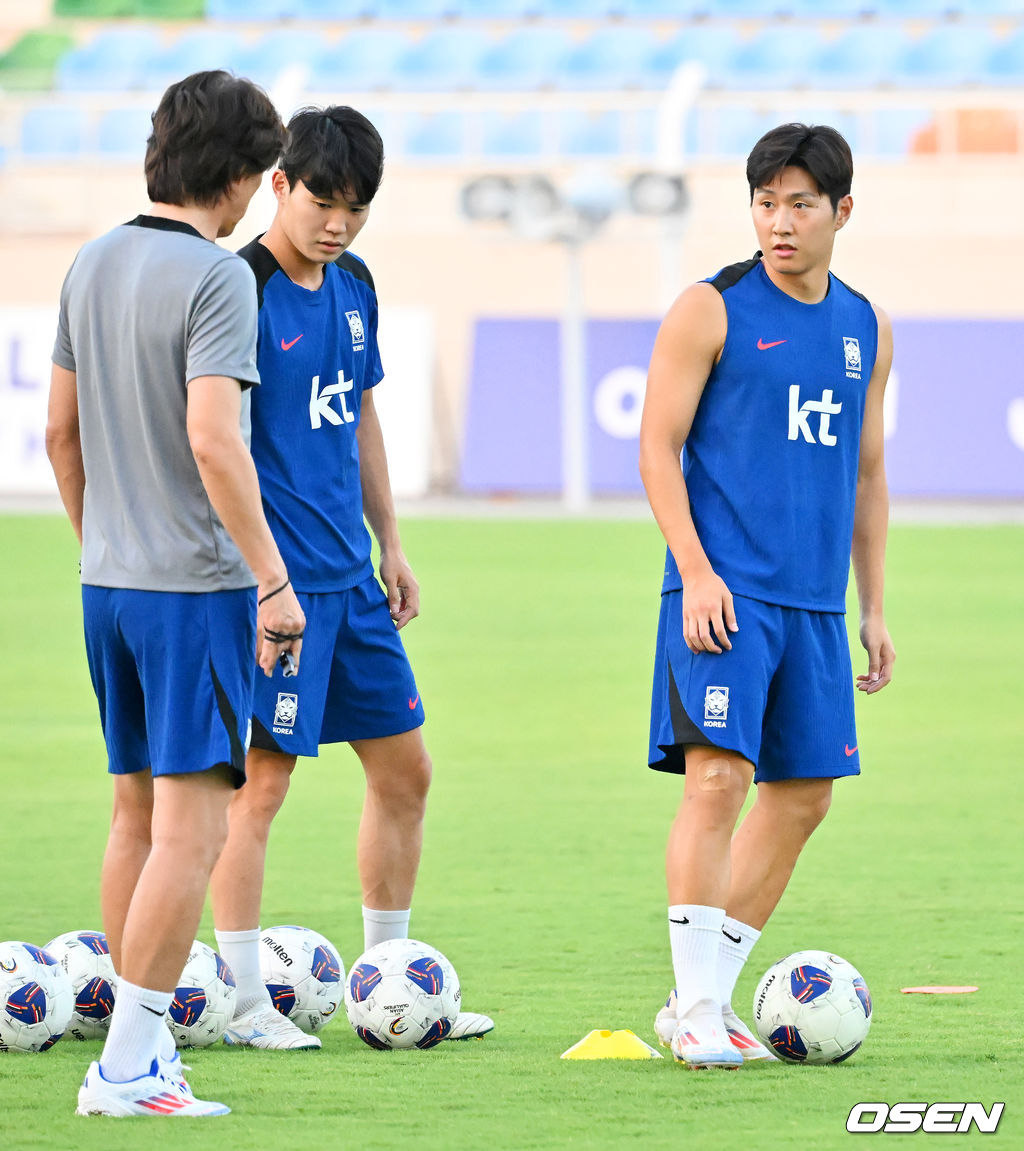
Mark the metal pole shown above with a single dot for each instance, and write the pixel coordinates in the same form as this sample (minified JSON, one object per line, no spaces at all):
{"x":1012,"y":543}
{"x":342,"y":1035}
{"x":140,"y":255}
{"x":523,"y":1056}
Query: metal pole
{"x":575,"y":408}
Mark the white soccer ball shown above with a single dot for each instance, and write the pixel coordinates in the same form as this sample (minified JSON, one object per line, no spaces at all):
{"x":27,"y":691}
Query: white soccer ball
{"x":304,"y":974}
{"x":402,"y":993}
{"x":812,"y":1007}
{"x":85,"y":959}
{"x":204,"y":1000}
{"x":36,"y":999}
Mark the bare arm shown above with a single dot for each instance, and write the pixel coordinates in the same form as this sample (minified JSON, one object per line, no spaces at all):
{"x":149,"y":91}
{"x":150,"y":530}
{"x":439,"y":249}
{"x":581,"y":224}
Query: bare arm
{"x":64,"y":444}
{"x":871,"y":522}
{"x":379,"y":508}
{"x":689,"y":342}
{"x":229,"y":476}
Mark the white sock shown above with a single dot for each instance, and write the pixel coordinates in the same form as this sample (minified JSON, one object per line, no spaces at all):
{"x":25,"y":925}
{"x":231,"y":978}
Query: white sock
{"x":734,"y":949}
{"x":137,"y":1027}
{"x":695,"y":932}
{"x":240,"y":950}
{"x":379,"y":926}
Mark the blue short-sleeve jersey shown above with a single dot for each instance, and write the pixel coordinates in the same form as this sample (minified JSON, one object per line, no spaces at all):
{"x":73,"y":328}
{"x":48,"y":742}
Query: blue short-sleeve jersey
{"x":317,"y":353}
{"x":771,"y":458}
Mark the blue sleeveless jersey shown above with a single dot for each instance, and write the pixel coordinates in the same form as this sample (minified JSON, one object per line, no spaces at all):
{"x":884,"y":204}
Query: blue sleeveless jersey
{"x":317,"y":354}
{"x":771,"y":459}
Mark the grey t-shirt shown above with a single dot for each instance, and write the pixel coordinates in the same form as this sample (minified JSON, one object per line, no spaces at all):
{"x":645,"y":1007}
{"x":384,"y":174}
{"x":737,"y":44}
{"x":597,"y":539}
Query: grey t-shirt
{"x":146,"y":309}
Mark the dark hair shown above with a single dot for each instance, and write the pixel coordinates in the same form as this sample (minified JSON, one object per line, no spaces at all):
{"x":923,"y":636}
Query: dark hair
{"x":210,"y":130}
{"x":334,"y":151}
{"x":820,"y":150}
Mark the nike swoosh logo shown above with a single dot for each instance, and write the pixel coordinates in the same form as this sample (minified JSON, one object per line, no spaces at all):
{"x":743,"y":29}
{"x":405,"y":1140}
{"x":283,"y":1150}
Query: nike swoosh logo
{"x":414,"y":702}
{"x":734,"y":938}
{"x":761,"y":345}
{"x":684,"y":920}
{"x":160,"y":1014}
{"x":850,"y":750}
{"x":292,"y":343}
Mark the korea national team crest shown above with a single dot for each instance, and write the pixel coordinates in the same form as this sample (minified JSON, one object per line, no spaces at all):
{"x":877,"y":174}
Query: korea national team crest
{"x":285,"y":712}
{"x":851,"y":350}
{"x":355,"y":326}
{"x":716,"y":706}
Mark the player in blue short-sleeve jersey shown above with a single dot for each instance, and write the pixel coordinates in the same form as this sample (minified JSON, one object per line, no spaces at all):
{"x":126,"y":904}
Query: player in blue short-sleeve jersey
{"x":768,"y":378}
{"x":319,"y":453}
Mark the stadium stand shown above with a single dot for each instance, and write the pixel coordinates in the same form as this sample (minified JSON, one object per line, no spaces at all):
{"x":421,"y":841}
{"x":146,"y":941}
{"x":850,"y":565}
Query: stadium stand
{"x":611,"y":57}
{"x":777,"y":57}
{"x":55,"y":132}
{"x":29,"y":64}
{"x":1005,"y":64}
{"x":121,"y":133}
{"x":525,"y":59}
{"x":860,"y":56}
{"x":948,"y":55}
{"x":193,"y":51}
{"x":115,"y":60}
{"x":445,"y":59}
{"x":511,"y":134}
{"x":361,"y":61}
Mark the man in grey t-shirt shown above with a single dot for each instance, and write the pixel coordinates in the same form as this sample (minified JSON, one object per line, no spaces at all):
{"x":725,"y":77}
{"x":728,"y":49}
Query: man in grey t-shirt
{"x":147,"y":435}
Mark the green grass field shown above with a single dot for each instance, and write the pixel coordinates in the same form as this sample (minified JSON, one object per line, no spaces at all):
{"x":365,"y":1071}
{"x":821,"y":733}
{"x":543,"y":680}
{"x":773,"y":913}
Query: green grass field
{"x":542,"y":872}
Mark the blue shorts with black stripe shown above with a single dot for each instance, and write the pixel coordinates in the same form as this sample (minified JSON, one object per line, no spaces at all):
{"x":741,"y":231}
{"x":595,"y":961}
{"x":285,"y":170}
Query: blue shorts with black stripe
{"x":354,"y":682}
{"x":782,"y":697}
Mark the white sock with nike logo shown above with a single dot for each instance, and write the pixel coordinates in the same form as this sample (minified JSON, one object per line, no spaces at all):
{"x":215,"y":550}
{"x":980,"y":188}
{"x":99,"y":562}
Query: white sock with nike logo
{"x":694,"y":932}
{"x":137,"y":1032}
{"x":734,"y":948}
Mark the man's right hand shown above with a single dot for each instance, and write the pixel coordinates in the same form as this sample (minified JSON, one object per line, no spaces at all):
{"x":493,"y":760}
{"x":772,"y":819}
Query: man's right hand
{"x":708,"y":613}
{"x":279,"y":615}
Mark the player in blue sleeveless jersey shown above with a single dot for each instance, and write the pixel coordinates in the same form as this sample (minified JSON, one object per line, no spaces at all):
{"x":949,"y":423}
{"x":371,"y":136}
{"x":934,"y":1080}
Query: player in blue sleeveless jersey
{"x":768,"y":378}
{"x":319,"y":453}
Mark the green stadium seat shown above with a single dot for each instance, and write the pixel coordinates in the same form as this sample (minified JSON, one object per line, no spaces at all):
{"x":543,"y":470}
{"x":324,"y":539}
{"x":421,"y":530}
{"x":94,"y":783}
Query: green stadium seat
{"x":29,"y":64}
{"x":169,"y":9}
{"x":93,"y":9}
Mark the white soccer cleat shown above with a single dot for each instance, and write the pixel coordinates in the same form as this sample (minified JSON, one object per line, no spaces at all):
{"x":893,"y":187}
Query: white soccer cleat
{"x":702,"y":1041}
{"x":744,"y":1040}
{"x":665,"y":1021}
{"x":470,"y":1025}
{"x":263,"y":1026}
{"x":155,"y":1094}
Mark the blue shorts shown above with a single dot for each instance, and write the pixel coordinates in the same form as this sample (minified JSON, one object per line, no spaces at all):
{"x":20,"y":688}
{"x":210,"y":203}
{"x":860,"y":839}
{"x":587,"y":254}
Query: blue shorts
{"x":782,"y":698}
{"x":173,"y":674}
{"x":354,"y":680}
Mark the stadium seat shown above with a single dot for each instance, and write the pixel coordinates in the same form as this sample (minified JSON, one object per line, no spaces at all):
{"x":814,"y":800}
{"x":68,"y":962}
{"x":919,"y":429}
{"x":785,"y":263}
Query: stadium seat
{"x":448,"y":58}
{"x":523,"y":60}
{"x":116,"y":60}
{"x":280,"y":50}
{"x":30,"y":62}
{"x":1005,"y":63}
{"x":711,"y":46}
{"x":514,"y":134}
{"x":413,"y":9}
{"x":577,"y":9}
{"x":778,"y":57}
{"x":611,"y":57}
{"x":200,"y":49}
{"x":817,"y":9}
{"x":169,"y":9}
{"x":332,"y":9}
{"x":54,"y":132}
{"x":248,"y":10}
{"x":664,"y":9}
{"x":590,"y":133}
{"x":122,"y":133}
{"x":92,"y":9}
{"x":495,"y":9}
{"x":863,"y":56}
{"x":948,"y":56}
{"x":436,"y":135}
{"x":728,"y":131}
{"x":361,"y":61}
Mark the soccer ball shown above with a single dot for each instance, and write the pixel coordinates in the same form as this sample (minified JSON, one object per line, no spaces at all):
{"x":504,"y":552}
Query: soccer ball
{"x":36,"y":999}
{"x":402,"y":994}
{"x":812,"y":1007}
{"x":304,"y":974}
{"x":204,"y":1000}
{"x":85,"y":958}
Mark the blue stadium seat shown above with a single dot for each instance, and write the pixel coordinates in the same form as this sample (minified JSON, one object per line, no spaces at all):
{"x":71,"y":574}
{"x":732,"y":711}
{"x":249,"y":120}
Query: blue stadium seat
{"x":611,"y":57}
{"x":361,"y":61}
{"x":778,"y":57}
{"x":331,"y":9}
{"x":513,"y":134}
{"x":919,"y":8}
{"x":122,"y":133}
{"x":54,"y":132}
{"x":590,"y":133}
{"x":249,"y":10}
{"x":664,"y":9}
{"x":273,"y":53}
{"x":946,"y":57}
{"x":845,"y":9}
{"x":413,"y":9}
{"x":863,"y":56}
{"x":200,"y":49}
{"x":728,"y":131}
{"x":495,"y":9}
{"x":448,"y":58}
{"x":578,"y":9}
{"x":116,"y":60}
{"x":523,"y":60}
{"x":1005,"y":63}
{"x":436,"y":135}
{"x":710,"y":45}
{"x":892,"y":132}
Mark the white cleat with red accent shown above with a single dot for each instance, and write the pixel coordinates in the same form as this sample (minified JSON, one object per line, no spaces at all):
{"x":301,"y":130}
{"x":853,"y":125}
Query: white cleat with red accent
{"x":744,"y":1040}
{"x":702,"y":1041}
{"x":156,"y":1094}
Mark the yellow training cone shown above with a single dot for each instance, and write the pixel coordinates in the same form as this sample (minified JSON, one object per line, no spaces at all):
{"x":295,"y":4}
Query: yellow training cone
{"x":611,"y":1045}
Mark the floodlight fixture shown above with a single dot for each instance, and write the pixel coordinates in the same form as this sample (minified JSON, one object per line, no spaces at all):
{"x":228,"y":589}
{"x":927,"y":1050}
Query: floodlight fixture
{"x":658,"y":194}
